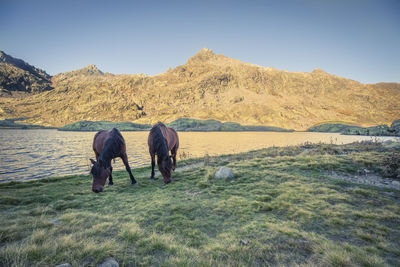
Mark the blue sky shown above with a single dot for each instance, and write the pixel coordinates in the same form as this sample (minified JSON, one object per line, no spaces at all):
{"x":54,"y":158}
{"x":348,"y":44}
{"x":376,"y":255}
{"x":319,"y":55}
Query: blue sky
{"x":357,"y":39}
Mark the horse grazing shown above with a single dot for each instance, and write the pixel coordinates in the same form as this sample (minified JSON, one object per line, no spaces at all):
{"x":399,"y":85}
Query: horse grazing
{"x":107,"y":145}
{"x":161,"y":140}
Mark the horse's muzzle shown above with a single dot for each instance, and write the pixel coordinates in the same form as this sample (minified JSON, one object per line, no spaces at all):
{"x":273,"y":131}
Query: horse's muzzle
{"x":98,"y":190}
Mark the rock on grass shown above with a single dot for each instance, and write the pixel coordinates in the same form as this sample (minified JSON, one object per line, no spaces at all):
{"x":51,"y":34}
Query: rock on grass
{"x":224,"y":173}
{"x":109,"y":262}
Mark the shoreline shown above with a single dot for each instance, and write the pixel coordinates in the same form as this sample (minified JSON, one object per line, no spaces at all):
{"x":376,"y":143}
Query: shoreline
{"x":200,"y":131}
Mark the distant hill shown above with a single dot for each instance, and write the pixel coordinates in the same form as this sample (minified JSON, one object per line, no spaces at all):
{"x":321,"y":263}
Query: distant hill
{"x":184,"y":124}
{"x":380,"y":130}
{"x":17,"y":124}
{"x":209,"y":86}
{"x":104,"y":125}
{"x":193,"y":125}
{"x":18,"y":76}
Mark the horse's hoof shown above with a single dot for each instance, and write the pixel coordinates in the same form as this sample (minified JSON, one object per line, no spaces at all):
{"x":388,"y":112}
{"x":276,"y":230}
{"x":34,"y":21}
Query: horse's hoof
{"x":134,"y":184}
{"x":110,"y":184}
{"x":153,"y":178}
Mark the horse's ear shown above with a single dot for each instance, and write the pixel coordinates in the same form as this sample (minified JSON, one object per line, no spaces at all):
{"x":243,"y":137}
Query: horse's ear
{"x":92,"y":161}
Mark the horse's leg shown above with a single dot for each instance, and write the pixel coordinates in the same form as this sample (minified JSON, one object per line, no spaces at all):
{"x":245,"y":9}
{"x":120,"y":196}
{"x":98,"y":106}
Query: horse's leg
{"x":153,"y":163}
{"x":124,"y":158}
{"x":110,"y":179}
{"x":173,"y":153}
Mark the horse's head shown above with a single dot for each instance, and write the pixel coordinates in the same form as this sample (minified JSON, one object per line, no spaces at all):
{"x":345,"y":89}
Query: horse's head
{"x":100,"y":174}
{"x":165,"y":167}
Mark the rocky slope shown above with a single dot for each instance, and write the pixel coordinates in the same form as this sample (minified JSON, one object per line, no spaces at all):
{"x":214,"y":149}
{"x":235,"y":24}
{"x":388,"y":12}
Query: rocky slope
{"x":18,"y":76}
{"x":210,"y":86}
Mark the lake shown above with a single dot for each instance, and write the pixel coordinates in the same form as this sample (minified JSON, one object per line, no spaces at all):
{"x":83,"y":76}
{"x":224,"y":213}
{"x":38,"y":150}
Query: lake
{"x":34,"y":154}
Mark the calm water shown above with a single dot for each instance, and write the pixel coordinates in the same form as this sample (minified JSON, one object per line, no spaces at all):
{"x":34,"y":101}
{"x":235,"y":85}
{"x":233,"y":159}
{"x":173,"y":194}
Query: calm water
{"x":33,"y":154}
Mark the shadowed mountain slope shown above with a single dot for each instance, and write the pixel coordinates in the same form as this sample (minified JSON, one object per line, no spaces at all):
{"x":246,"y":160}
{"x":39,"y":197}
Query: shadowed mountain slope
{"x":17,"y":75}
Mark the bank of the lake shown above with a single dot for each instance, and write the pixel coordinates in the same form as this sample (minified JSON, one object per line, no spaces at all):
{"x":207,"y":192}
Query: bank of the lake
{"x":36,"y":154}
{"x":285,"y":206}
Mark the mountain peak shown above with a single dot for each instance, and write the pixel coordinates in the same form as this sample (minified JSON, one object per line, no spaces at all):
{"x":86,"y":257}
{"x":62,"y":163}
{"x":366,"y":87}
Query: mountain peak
{"x":90,"y":69}
{"x":205,"y":54}
{"x":206,"y":50}
{"x":318,"y":70}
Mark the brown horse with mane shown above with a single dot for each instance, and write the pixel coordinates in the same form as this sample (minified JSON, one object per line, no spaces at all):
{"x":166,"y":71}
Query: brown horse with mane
{"x":162,"y":140}
{"x":107,"y":145}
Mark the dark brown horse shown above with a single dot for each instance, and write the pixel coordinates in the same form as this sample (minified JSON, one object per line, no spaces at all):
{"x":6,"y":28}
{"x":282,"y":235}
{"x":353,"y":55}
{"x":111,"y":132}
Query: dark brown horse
{"x":162,"y":140}
{"x":107,"y":145}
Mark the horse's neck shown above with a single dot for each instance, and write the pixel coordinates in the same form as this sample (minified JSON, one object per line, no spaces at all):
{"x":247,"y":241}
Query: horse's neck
{"x":107,"y":153}
{"x":164,"y":144}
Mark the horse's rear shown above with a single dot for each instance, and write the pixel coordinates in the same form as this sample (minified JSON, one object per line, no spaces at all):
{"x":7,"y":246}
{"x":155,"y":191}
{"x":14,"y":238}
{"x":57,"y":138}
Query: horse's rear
{"x":98,"y":142}
{"x":161,"y":140}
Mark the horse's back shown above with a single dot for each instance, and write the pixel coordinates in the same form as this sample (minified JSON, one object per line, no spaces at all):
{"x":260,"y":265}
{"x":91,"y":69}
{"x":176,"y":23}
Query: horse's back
{"x":169,"y":134}
{"x":99,"y":140}
{"x":102,"y":136}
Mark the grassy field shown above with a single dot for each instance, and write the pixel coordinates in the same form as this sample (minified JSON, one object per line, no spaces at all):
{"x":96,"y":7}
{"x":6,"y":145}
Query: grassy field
{"x":281,"y":209}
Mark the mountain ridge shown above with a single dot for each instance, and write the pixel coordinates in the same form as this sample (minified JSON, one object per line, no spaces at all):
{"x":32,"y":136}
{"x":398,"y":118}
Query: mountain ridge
{"x":209,"y":86}
{"x":17,"y":75}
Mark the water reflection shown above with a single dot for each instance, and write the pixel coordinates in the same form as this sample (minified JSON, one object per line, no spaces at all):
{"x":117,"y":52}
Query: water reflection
{"x":32,"y":154}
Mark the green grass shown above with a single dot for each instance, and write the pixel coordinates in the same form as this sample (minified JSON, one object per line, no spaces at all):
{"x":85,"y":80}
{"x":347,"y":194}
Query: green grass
{"x":280,"y":209}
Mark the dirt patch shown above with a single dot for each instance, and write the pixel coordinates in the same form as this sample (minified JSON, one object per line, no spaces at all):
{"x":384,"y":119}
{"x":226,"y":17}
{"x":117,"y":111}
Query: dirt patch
{"x":366,"y":177}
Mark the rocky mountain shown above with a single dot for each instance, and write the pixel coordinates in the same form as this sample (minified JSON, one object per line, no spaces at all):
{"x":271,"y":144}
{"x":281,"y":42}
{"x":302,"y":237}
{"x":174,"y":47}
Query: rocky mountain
{"x":209,"y":86}
{"x":18,"y":76}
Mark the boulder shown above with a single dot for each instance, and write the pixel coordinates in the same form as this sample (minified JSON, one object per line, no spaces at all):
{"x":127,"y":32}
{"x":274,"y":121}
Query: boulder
{"x":109,"y":262}
{"x":224,"y":173}
{"x":55,"y":221}
{"x":396,"y":183}
{"x":387,"y":142}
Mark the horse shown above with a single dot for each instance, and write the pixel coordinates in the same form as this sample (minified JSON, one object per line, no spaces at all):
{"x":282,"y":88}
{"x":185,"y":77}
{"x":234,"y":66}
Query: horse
{"x":161,"y":140}
{"x":107,"y":145}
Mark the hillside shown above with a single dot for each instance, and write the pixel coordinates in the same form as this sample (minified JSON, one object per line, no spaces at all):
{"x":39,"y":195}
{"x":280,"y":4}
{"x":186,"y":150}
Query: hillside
{"x":380,"y":130}
{"x":18,"y":76}
{"x":313,"y":205}
{"x":209,"y":86}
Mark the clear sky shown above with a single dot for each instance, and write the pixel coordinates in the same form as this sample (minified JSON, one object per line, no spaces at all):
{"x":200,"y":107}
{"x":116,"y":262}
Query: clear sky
{"x":357,"y":39}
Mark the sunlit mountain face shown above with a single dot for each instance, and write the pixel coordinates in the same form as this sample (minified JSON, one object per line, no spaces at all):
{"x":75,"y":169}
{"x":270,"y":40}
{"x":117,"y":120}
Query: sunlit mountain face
{"x":208,"y":86}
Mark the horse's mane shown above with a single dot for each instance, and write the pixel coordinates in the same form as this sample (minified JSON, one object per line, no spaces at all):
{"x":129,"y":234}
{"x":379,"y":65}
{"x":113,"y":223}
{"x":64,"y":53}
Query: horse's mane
{"x":112,"y":148}
{"x":159,"y":141}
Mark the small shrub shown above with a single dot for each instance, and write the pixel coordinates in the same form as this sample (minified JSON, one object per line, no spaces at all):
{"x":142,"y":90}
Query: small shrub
{"x":391,"y":165}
